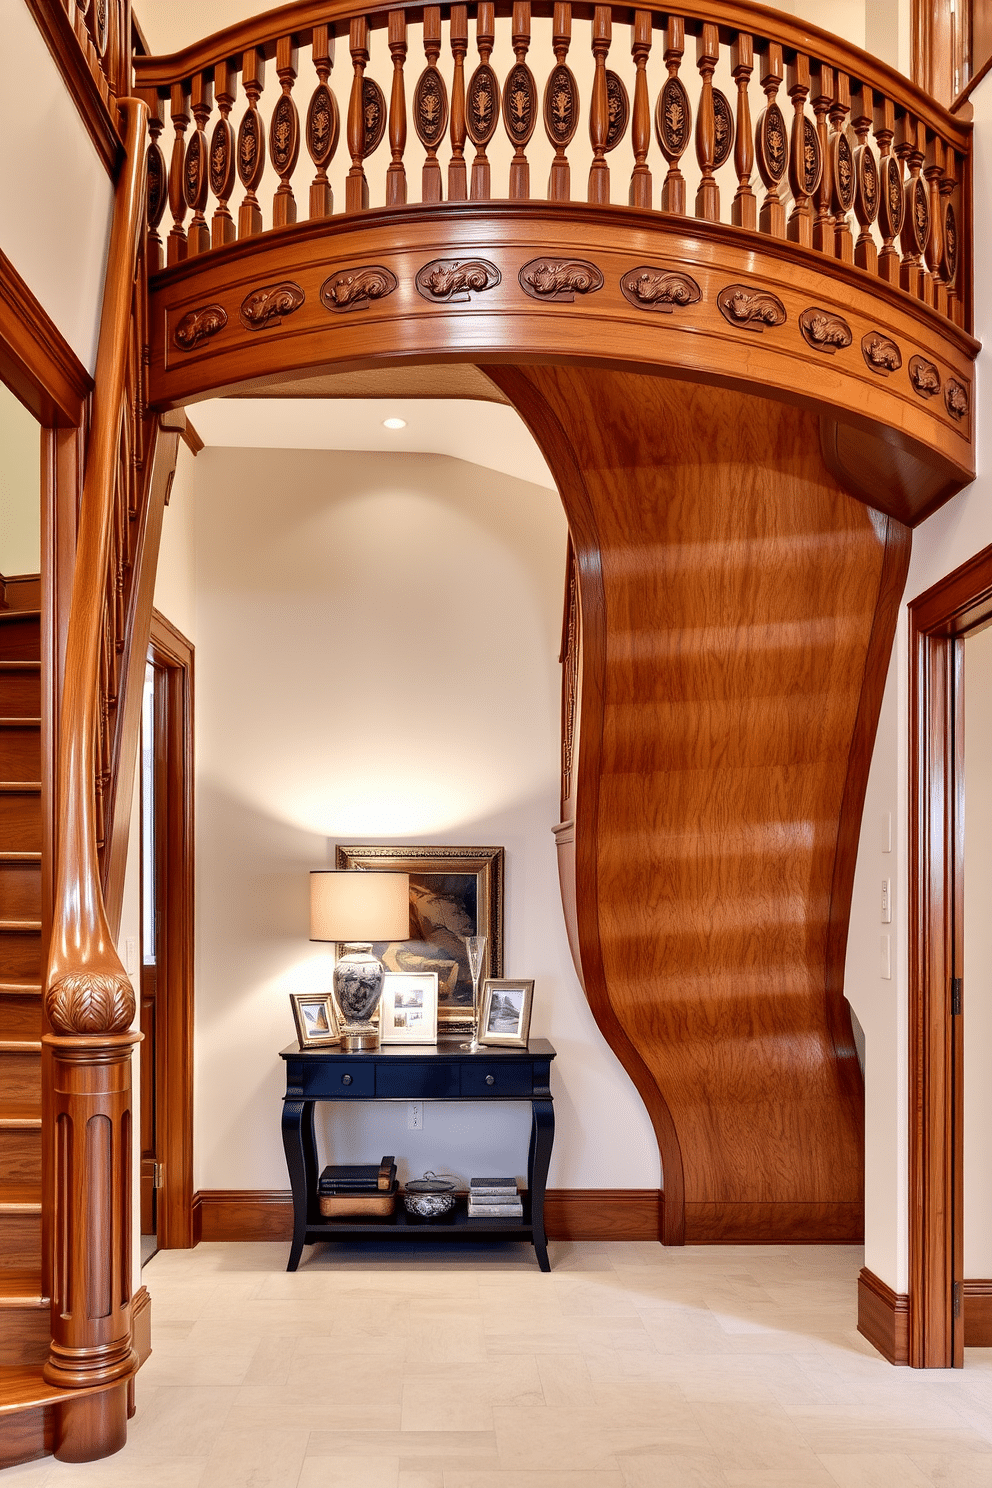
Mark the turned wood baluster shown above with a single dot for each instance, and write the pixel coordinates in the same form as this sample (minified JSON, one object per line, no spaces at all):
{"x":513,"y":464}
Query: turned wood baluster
{"x":804,"y":155}
{"x":866,"y":178}
{"x":673,"y":119}
{"x":771,"y":145}
{"x":599,"y":108}
{"x":890,"y":197}
{"x":323,"y":123}
{"x":640,"y":127}
{"x":222,"y":170}
{"x":158,"y":179}
{"x":822,"y":99}
{"x":431,"y":106}
{"x":458,"y":39}
{"x":933,"y":172}
{"x":483,"y":104}
{"x":396,"y":170}
{"x":196,"y":177}
{"x":177,"y":247}
{"x":841,"y":169}
{"x":356,"y":191}
{"x":744,"y":211}
{"x":520,"y":103}
{"x":708,"y":192}
{"x":251,"y":144}
{"x":915,"y":233}
{"x":951,"y":236}
{"x":284,"y":134}
{"x":561,"y":104}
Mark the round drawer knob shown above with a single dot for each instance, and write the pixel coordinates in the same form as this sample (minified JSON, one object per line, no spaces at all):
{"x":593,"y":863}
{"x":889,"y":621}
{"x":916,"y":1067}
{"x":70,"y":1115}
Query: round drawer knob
{"x":490,"y":1079}
{"x":345,"y":1079}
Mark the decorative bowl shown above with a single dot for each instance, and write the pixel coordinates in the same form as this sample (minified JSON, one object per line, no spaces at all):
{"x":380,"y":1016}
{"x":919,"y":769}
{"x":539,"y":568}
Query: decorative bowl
{"x":429,"y":1197}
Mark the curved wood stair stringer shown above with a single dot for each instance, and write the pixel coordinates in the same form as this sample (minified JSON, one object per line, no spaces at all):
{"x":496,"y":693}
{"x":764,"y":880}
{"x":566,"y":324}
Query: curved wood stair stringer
{"x":738,"y":610}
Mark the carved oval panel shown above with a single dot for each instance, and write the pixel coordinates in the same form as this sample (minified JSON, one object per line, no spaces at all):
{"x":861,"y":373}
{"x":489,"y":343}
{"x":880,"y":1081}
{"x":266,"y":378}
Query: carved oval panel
{"x":812,"y":157}
{"x":561,"y":106}
{"x":355,"y":289}
{"x":251,"y":155}
{"x":284,"y":136}
{"x":267,"y":306}
{"x":956,"y":399}
{"x":373,"y":116}
{"x":865,"y":185}
{"x":158,"y":190}
{"x":323,"y":126}
{"x":430,"y":108}
{"x":890,"y":198}
{"x":559,"y":280}
{"x":673,"y":119}
{"x":456,"y":280}
{"x":950,"y":263}
{"x":100,"y":16}
{"x":924,"y":376}
{"x":222,"y":160}
{"x":520,"y":104}
{"x":195,"y":171}
{"x":916,"y":223}
{"x":482,"y":105}
{"x":658,"y":289}
{"x":825,"y":331}
{"x":618,"y":109}
{"x":723,"y":120}
{"x":197,"y":326}
{"x":750,"y":309}
{"x":843,"y":173}
{"x":881,"y":353}
{"x":771,"y":144}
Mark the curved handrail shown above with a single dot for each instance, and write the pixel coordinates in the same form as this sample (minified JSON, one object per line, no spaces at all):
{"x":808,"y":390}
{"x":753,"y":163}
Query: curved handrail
{"x":87,"y":989}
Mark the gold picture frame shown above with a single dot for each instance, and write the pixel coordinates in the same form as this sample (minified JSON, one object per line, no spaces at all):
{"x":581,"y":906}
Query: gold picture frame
{"x":454,"y":892}
{"x":316,"y":1019}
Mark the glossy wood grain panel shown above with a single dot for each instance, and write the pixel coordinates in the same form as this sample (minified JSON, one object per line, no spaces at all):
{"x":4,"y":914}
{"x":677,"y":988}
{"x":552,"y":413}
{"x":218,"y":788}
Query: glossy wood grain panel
{"x":738,"y":610}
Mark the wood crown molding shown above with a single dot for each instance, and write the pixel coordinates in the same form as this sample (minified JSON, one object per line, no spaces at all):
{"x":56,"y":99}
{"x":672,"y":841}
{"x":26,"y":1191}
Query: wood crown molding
{"x":53,"y":22}
{"x":191,"y":440}
{"x":883,"y":1317}
{"x":36,"y":361}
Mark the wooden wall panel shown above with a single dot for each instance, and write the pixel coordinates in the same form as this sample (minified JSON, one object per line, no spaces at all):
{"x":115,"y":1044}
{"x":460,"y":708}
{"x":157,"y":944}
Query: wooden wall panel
{"x":738,"y":610}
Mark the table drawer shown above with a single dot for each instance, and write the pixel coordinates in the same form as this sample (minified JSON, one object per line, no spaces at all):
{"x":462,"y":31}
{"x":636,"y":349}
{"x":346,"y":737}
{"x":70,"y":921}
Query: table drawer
{"x":431,"y":1080}
{"x":496,"y":1077}
{"x":339,"y":1081}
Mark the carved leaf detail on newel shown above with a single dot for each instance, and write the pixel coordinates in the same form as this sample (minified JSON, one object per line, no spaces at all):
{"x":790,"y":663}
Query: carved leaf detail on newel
{"x":84,"y":1002}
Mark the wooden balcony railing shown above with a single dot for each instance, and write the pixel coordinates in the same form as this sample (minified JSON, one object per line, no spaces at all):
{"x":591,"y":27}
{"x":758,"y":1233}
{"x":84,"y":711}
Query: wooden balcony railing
{"x":726,"y":112}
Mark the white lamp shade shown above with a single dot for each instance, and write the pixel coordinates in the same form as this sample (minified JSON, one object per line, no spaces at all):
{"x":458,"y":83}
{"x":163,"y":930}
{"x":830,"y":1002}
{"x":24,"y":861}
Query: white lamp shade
{"x":354,"y":905}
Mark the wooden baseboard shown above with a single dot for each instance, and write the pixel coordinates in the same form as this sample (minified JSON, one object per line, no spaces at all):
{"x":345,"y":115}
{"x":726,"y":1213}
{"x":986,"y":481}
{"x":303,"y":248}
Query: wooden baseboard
{"x":883,"y":1317}
{"x":20,"y":592}
{"x":774,"y":1224}
{"x":977,"y":1299}
{"x":570,"y":1214}
{"x":141,"y":1324}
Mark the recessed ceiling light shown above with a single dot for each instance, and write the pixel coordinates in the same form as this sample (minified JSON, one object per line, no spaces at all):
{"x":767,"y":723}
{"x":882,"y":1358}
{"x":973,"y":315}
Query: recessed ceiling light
{"x":394,"y":423}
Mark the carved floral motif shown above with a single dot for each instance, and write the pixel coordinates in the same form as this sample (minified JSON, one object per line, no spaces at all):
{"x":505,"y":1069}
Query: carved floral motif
{"x":482,"y":105}
{"x":265,"y":307}
{"x":824,"y":330}
{"x":520,"y":104}
{"x":194,"y":172}
{"x":222,"y":160}
{"x":617,"y":109}
{"x":198,"y":326}
{"x":656,"y":289}
{"x":723,"y":121}
{"x":673,"y":119}
{"x":924,"y":376}
{"x":561,"y":106}
{"x":373,"y":116}
{"x":456,"y":280}
{"x":284,"y":136}
{"x":251,"y":157}
{"x":430,"y":107}
{"x":920,"y":208}
{"x":559,"y":279}
{"x":750,"y":309}
{"x":772,"y":137}
{"x":843,"y":161}
{"x":956,"y":399}
{"x":356,"y":288}
{"x":890,"y":207}
{"x":881,"y":353}
{"x":157,"y":187}
{"x":867,"y":184}
{"x":323,"y":126}
{"x":950,"y":244}
{"x":87,"y":1002}
{"x":812,"y":159}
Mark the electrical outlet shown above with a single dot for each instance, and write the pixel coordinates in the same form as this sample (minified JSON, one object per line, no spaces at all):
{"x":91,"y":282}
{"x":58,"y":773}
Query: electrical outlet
{"x":415,"y":1116}
{"x":886,"y":901}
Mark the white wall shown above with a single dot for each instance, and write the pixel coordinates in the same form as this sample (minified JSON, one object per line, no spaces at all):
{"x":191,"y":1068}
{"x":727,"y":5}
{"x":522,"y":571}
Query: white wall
{"x":978,"y":956}
{"x":55,"y":236}
{"x":377,"y":640}
{"x":20,"y":488}
{"x":174,"y":585}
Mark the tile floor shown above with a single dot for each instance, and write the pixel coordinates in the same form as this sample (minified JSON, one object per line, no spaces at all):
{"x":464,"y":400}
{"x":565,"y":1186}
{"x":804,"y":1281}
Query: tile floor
{"x":629,"y":1366}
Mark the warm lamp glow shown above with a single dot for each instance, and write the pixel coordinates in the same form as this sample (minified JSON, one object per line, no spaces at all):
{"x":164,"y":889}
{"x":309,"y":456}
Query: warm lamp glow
{"x":358,"y":906}
{"x":394,"y":423}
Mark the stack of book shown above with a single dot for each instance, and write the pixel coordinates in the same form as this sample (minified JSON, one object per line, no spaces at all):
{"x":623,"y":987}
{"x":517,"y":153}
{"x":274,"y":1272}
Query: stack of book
{"x":494,"y":1198}
{"x":357,"y":1188}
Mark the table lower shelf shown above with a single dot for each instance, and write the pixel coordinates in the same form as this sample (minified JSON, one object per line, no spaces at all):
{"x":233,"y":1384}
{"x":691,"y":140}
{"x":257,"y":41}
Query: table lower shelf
{"x":402,"y":1226}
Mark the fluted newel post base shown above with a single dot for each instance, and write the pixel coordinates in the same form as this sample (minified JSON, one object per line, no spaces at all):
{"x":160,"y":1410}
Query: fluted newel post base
{"x":91,"y":1134}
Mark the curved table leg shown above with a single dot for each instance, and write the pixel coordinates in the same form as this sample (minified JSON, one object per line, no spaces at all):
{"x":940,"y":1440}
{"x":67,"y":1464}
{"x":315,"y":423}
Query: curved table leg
{"x":301,"y":1160}
{"x":542,"y":1138}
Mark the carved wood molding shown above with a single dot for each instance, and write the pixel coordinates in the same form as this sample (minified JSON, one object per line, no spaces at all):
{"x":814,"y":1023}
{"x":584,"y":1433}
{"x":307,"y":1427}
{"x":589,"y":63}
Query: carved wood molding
{"x":53,"y":22}
{"x":36,"y":360}
{"x":883,"y":1317}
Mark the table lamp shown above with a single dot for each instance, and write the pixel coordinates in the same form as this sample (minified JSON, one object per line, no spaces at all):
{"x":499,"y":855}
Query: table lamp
{"x":355,"y":907}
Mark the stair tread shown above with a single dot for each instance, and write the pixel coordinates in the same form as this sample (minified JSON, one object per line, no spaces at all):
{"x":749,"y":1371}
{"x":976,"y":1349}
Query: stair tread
{"x":19,"y":857}
{"x":21,"y":1288}
{"x":20,"y":787}
{"x":26,"y":614}
{"x":20,"y":1046}
{"x":23,"y":1387}
{"x":21,"y":989}
{"x":15,"y":1114}
{"x":15,"y":720}
{"x":20,"y":1198}
{"x":20,"y":666}
{"x":21,"y":926}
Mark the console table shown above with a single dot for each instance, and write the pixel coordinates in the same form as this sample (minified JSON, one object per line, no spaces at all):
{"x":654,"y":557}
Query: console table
{"x":406,"y":1072}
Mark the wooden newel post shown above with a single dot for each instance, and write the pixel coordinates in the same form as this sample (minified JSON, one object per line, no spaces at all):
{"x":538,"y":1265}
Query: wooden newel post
{"x":91,"y":1293}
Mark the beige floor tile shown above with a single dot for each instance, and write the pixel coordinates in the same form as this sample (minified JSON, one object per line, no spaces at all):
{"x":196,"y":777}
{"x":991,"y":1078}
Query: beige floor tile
{"x":256,"y":1459}
{"x":874,"y":1470}
{"x":753,"y":1437}
{"x":813,"y":1475}
{"x":409,"y":1447}
{"x":946,"y":1470}
{"x":352,"y":1472}
{"x":483,"y":1478}
{"x":652,"y":1471}
{"x":565,"y":1380}
{"x":590,"y":1440}
{"x":413,"y":1478}
{"x":120,"y":1471}
{"x":331,"y":1403}
{"x":182,"y":1422}
{"x":460,"y":1397}
{"x":270,"y":1363}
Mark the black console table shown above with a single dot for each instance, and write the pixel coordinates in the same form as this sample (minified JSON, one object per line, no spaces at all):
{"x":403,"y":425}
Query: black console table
{"x":400,"y":1072}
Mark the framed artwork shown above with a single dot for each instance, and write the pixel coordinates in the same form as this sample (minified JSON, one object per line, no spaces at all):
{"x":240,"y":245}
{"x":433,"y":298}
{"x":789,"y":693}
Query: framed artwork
{"x":316,"y":1020}
{"x":408,"y":1009}
{"x":505,"y":1016}
{"x":454,"y":892}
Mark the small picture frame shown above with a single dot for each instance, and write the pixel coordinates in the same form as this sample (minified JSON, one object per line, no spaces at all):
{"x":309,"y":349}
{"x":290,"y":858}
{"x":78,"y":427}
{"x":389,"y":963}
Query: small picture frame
{"x":316,"y":1020}
{"x":408,"y":1010}
{"x":505,"y":1018}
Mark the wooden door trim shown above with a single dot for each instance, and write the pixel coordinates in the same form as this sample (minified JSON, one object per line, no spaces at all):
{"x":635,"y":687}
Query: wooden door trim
{"x":169,"y":649}
{"x":939,"y":619}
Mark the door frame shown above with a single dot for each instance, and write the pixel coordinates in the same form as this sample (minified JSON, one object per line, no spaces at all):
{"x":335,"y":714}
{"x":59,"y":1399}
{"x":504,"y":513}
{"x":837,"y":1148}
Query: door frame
{"x":173,"y":653}
{"x":957,"y":606}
